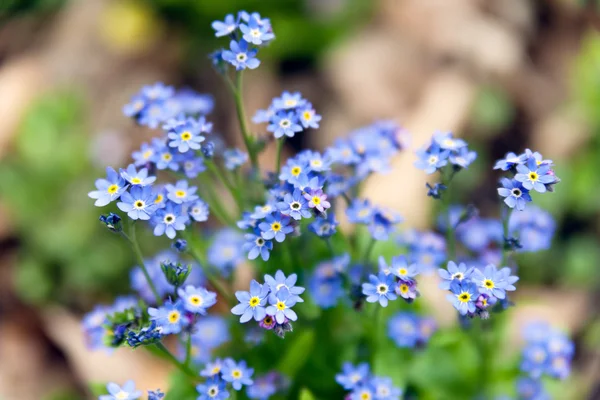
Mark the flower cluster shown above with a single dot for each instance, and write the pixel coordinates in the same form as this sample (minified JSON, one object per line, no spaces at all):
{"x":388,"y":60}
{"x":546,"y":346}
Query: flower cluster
{"x":530,"y":172}
{"x":533,"y":229}
{"x":288,"y":115}
{"x":473,"y":290}
{"x":410,"y":330}
{"x":425,"y":249}
{"x":220,"y":374}
{"x":380,"y":221}
{"x":397,"y":279}
{"x":128,"y":392}
{"x":362,"y":385}
{"x":444,"y":150}
{"x":248,"y":32}
{"x":270,"y":304}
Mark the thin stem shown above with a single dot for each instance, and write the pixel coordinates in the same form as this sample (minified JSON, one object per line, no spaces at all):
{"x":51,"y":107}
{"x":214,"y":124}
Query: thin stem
{"x":239,"y":107}
{"x":279,"y":149}
{"x":138,"y":254}
{"x":450,"y":239}
{"x":506,"y":213}
{"x":182,"y":367}
{"x":330,"y":247}
{"x":369,"y":251}
{"x":219,"y":175}
{"x":215,"y":203}
{"x":188,"y":350}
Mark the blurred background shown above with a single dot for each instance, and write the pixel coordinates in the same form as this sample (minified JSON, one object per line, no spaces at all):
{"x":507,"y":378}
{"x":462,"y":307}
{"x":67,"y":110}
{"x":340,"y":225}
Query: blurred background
{"x":505,"y":75}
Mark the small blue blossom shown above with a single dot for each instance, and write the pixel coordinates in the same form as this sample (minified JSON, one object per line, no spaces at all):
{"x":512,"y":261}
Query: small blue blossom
{"x":293,"y":171}
{"x":136,"y":178}
{"x":226,"y":27}
{"x":360,"y":211}
{"x":144,"y":155}
{"x":138,"y":203}
{"x":463,"y":297}
{"x":295,"y":205}
{"x":210,"y":332}
{"x":240,"y":56}
{"x":281,"y":304}
{"x":380,"y":289}
{"x":384,"y":389}
{"x":155,"y":394}
{"x":324,"y":227}
{"x":168,"y":220}
{"x":289,"y":101}
{"x":213,"y":389}
{"x":326,"y":292}
{"x":169,"y":317}
{"x":432,"y":159}
{"x":491,"y":281}
{"x":454,"y":273}
{"x":212,"y":368}
{"x":342,"y":152}
{"x":400,"y":268}
{"x":157,"y":91}
{"x":263,"y":388}
{"x":515,"y":195}
{"x":109,"y":189}
{"x":510,"y":160}
{"x":238,"y":374}
{"x":463,"y":157}
{"x":251,"y":303}
{"x":256,"y":33}
{"x":125,"y":392}
{"x":276,"y":226}
{"x":531,"y":389}
{"x":261,"y":212}
{"x":185,"y":137}
{"x":534,"y":177}
{"x":317,"y":199}
{"x":199,"y":211}
{"x":351,"y":376}
{"x":192,"y":165}
{"x":284,"y":124}
{"x":308,"y":117}
{"x":197,"y":300}
{"x":181,"y":193}
{"x":226,"y":250}
{"x":234,"y":158}
{"x":257,"y":246}
{"x":361,"y":392}
{"x":263,"y":116}
{"x":135,"y":106}
{"x":280,"y":281}
{"x":446,"y":141}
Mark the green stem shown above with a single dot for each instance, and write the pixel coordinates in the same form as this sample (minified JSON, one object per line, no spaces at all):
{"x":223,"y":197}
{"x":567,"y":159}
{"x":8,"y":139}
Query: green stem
{"x":138,"y":254}
{"x":219,"y":175}
{"x":182,"y":367}
{"x":279,"y":149}
{"x":330,"y":247}
{"x":505,"y":220}
{"x":241,"y":115}
{"x":369,"y":251}
{"x":188,"y":350}
{"x":214,"y":203}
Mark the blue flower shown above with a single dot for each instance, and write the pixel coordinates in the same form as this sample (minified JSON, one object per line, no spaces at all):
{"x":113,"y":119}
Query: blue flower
{"x":510,"y":160}
{"x":407,"y":290}
{"x":380,"y":288}
{"x":276,"y":226}
{"x":226,"y":27}
{"x":280,"y":281}
{"x":400,"y":268}
{"x":261,"y":212}
{"x":135,"y":106}
{"x":384,"y":388}
{"x":351,"y":376}
{"x":263,"y":116}
{"x":226,"y":251}
{"x":144,"y":155}
{"x":256,"y":245}
{"x":326,"y":292}
{"x":454,"y":273}
{"x":317,"y":199}
{"x":237,"y":374}
{"x":293,"y":171}
{"x":164,"y":158}
{"x":491,"y":281}
{"x":213,"y":389}
{"x":109,"y":189}
{"x":436,"y":190}
{"x":446,"y":141}
{"x":361,"y":392}
{"x":263,"y":388}
{"x":186,"y":136}
{"x":212,"y":368}
{"x":403,"y":329}
{"x":251,"y":303}
{"x":134,"y":177}
{"x":154,"y":114}
{"x":155,"y":394}
{"x":210,"y":332}
{"x":168,"y":220}
{"x":308,"y":117}
{"x":125,"y":392}
{"x":383,"y":224}
{"x":199,"y":211}
{"x":463,"y":297}
{"x":255,"y":33}
{"x":463,"y":157}
{"x":324,"y":227}
{"x":531,"y":389}
{"x":360,"y":211}
{"x":234,"y":158}
{"x":197,"y":300}
{"x":289,"y":101}
{"x":533,"y":176}
{"x":281,"y":305}
{"x":294,"y":205}
{"x":240,"y":56}
{"x":192,"y":165}
{"x":284,"y":124}
{"x":157,"y":91}
{"x":514,"y":193}
{"x":138,"y":203}
{"x":343,"y":152}
{"x":432,"y":159}
{"x":534,"y":227}
{"x":181,"y":193}
{"x":169,"y":317}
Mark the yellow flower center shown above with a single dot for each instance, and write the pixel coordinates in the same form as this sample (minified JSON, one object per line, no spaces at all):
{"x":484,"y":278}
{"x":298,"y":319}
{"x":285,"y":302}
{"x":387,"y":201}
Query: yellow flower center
{"x":167,"y":156}
{"x":236,"y":373}
{"x":464,"y":297}
{"x":488,"y":283}
{"x":290,"y":103}
{"x":268,"y":321}
{"x":280,"y":305}
{"x":316,"y":200}
{"x":365,"y":396}
{"x":402,"y":271}
{"x":196,"y":300}
{"x":121,"y":395}
{"x":180,"y":193}
{"x":159,"y":199}
{"x":173,"y":317}
{"x":112,"y":189}
{"x":307,"y":115}
{"x":185,"y":136}
{"x":533,"y":176}
{"x":254,"y":301}
{"x":276,"y":226}
{"x":449,"y":142}
{"x":296,"y":171}
{"x":136,"y":181}
{"x":147,"y":154}
{"x":216,"y":369}
{"x":404,"y":288}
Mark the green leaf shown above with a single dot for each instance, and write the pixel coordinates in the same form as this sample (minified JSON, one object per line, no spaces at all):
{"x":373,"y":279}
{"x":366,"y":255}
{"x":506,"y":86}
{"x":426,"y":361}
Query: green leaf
{"x":297,"y":353}
{"x":181,"y":388}
{"x":97,"y":388}
{"x":305,"y":394}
